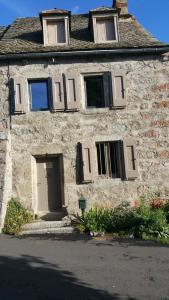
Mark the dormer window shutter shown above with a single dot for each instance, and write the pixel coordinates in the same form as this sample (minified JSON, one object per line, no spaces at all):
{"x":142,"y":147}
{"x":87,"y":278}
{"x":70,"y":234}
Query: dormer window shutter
{"x":89,"y":161}
{"x":72,"y":91}
{"x":118,"y":89}
{"x":130,"y":159}
{"x":20,"y":95}
{"x":58,"y":101}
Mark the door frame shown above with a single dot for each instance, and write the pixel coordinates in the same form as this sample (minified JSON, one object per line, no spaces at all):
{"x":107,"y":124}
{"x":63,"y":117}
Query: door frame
{"x":35,"y":177}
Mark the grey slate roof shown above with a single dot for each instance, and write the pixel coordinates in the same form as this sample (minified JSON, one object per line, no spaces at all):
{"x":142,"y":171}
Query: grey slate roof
{"x":25,"y":36}
{"x":2,"y":30}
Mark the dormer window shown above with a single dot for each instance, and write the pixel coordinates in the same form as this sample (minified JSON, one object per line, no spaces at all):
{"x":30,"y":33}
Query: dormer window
{"x":105,"y":30}
{"x":55,"y":27}
{"x":103,"y":25}
{"x":56,"y":33}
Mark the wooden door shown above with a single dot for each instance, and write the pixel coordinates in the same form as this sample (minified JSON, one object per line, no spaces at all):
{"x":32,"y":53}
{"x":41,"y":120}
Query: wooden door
{"x":49,"y":184}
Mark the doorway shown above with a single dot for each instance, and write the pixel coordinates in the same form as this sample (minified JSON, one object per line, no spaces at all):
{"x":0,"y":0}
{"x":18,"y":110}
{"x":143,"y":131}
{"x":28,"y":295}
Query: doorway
{"x":50,"y":184}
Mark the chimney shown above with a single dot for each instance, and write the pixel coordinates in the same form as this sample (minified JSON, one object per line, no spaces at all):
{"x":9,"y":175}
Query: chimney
{"x":122,"y":5}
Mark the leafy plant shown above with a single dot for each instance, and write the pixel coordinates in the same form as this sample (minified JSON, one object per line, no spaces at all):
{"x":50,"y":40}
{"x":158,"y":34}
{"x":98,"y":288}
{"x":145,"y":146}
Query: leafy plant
{"x":16,"y":217}
{"x":95,"y":220}
{"x":149,"y":219}
{"x":166,"y":210}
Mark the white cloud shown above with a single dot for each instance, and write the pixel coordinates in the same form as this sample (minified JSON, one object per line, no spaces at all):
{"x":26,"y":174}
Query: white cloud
{"x":75,"y":9}
{"x":19,"y":10}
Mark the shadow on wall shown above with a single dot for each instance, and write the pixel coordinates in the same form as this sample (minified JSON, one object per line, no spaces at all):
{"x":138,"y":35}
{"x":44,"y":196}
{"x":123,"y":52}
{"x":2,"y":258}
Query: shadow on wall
{"x":31,"y":278}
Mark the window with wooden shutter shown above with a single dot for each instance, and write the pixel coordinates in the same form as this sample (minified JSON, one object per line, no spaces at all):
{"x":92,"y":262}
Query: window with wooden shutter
{"x":105,"y":30}
{"x":130,"y":159}
{"x":89,"y":161}
{"x":56,"y":32}
{"x":58,"y":101}
{"x":20,"y":95}
{"x":118,"y":90}
{"x":73,"y":91}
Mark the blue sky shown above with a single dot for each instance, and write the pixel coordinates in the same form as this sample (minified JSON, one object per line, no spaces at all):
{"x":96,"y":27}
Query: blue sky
{"x":153,"y":14}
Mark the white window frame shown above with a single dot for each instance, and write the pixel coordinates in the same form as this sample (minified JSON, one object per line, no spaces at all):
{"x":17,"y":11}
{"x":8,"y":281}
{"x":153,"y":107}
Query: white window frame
{"x":104,"y":17}
{"x":45,"y":29}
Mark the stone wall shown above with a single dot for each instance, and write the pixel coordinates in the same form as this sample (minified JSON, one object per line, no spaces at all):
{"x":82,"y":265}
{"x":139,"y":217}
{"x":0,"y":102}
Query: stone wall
{"x":146,"y":119}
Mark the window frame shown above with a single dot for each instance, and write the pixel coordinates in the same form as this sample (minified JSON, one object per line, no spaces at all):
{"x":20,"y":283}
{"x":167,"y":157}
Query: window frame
{"x":113,"y":17}
{"x":36,"y":80}
{"x":107,"y":100}
{"x":45,"y":20}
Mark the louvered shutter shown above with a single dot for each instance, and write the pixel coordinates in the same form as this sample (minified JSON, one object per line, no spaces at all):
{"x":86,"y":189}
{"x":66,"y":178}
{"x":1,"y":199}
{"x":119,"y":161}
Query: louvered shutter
{"x":20,"y":95}
{"x":130,"y":159}
{"x":118,"y":90}
{"x":73,"y":91}
{"x":89,"y":161}
{"x":58,"y":101}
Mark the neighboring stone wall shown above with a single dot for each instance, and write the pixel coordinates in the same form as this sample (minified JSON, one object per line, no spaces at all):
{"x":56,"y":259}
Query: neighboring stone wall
{"x":146,"y":119}
{"x":5,"y":145}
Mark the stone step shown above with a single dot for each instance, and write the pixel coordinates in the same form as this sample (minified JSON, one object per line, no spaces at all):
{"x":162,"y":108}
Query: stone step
{"x":38,"y":225}
{"x":59,"y":230}
{"x":52,"y":216}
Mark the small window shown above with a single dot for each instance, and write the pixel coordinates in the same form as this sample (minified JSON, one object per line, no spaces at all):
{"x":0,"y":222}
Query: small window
{"x":108,"y":159}
{"x":105,"y":30}
{"x":56,"y":32}
{"x":95,"y":96}
{"x":39,"y":95}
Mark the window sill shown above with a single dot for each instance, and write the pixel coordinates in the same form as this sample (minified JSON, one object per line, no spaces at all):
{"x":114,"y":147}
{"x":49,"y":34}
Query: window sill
{"x":95,"y":110}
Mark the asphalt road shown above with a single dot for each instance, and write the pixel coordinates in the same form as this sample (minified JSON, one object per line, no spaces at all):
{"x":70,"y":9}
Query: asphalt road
{"x":44,"y":268}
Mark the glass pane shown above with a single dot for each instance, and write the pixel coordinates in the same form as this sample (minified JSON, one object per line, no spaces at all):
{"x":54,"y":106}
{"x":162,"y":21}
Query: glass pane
{"x":95,"y":91}
{"x":39,"y":95}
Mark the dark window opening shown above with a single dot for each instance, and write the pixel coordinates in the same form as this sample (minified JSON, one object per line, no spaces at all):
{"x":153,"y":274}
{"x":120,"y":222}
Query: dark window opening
{"x":95,"y":91}
{"x":39,"y":94}
{"x":108,"y":159}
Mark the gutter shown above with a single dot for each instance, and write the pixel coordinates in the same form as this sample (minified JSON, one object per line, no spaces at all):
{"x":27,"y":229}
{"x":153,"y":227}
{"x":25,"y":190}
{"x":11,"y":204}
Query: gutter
{"x":153,"y":50}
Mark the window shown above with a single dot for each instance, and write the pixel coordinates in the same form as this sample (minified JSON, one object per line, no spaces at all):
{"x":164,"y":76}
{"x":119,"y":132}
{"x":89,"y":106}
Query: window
{"x":105,"y":30}
{"x":108,"y":159}
{"x":56,"y":32}
{"x":39,"y":95}
{"x":95,"y":90}
{"x":113,"y":159}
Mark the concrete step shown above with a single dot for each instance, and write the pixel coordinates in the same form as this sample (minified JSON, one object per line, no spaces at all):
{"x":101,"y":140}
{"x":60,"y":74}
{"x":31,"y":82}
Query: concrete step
{"x":59,"y":230}
{"x":40,"y":225}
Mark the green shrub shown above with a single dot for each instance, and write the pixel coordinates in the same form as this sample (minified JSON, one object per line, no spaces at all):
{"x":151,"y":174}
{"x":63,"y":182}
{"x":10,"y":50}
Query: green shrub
{"x":166,"y":210}
{"x":16,"y":217}
{"x":152,"y":221}
{"x":145,"y":221}
{"x":95,"y":220}
{"x":124,"y":219}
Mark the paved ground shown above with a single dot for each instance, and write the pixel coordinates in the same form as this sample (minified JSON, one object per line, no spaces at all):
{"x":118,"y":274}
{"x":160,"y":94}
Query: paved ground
{"x":44,"y":268}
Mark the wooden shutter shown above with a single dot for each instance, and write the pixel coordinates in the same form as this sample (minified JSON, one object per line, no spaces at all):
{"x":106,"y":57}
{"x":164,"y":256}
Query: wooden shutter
{"x":106,"y":84}
{"x":73,"y":91}
{"x":51,"y":29}
{"x":110,"y":30}
{"x":60,"y":32}
{"x":58,"y":101}
{"x":130,"y":159}
{"x":118,"y":89}
{"x":20,"y":95}
{"x":89,"y":161}
{"x":101,"y":31}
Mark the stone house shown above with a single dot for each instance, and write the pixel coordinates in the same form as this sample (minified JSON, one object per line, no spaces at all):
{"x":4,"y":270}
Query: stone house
{"x":84,"y":110}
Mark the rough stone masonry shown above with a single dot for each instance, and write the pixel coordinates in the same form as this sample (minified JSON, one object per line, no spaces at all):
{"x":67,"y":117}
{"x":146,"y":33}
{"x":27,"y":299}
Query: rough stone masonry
{"x":145,"y":118}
